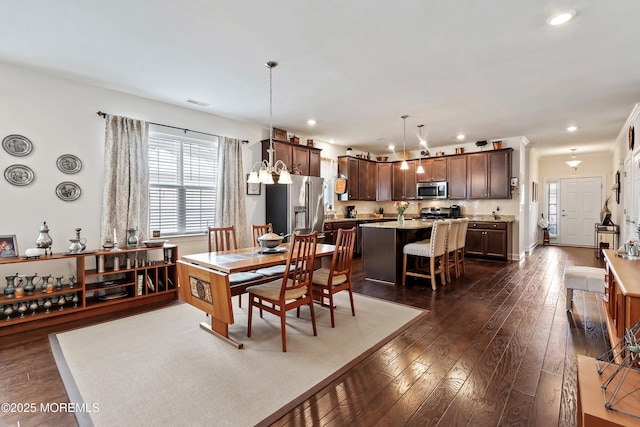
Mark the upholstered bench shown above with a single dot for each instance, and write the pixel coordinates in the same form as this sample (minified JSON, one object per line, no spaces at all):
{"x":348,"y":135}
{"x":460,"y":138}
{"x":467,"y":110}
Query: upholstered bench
{"x":589,"y":279}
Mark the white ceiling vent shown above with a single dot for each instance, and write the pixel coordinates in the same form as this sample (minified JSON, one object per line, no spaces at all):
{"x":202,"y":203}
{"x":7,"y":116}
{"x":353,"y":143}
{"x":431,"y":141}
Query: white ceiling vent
{"x":200,"y":103}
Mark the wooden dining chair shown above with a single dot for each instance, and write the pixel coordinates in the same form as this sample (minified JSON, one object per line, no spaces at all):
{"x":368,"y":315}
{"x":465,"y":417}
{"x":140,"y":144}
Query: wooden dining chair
{"x":260,"y":230}
{"x":329,"y":281}
{"x":292,"y":291}
{"x":433,"y":249}
{"x":224,"y":239}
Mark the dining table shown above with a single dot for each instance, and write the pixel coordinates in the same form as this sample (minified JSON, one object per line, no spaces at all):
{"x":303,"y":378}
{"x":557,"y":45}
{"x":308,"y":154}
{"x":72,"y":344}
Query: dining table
{"x":204,"y":280}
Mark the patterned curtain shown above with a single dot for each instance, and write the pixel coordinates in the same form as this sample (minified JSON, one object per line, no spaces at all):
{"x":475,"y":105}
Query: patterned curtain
{"x":230,"y":202}
{"x":125,"y":197}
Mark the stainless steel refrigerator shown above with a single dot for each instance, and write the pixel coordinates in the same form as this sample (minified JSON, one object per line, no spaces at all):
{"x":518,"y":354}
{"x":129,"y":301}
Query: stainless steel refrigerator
{"x":296,"y":208}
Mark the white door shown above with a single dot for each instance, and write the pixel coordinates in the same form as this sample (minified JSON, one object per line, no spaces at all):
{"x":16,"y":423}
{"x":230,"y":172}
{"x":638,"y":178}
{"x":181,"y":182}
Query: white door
{"x":629,"y":214}
{"x":633,"y":214}
{"x":580,"y":205}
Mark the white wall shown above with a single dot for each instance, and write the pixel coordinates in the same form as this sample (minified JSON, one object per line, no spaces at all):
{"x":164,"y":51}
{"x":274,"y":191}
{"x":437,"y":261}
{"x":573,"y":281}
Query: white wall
{"x":59,"y":117}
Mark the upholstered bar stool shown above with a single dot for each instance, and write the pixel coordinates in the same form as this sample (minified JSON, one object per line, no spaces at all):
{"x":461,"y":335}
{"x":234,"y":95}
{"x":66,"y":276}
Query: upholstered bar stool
{"x":434,"y":249}
{"x":462,"y":241}
{"x":452,"y":247}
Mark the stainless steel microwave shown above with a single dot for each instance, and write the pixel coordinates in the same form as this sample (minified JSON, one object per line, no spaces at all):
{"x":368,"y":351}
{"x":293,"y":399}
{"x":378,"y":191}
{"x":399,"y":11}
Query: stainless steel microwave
{"x":431,"y":190}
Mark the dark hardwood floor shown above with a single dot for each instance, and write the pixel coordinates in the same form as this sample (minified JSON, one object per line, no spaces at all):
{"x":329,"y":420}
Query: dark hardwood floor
{"x":496,"y":348}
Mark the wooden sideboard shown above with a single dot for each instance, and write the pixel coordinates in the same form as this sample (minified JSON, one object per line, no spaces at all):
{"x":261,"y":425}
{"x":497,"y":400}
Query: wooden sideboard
{"x":621,"y":294}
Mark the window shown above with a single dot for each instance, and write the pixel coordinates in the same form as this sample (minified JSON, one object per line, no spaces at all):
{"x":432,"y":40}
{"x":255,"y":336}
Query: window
{"x":183,"y":173}
{"x":552,"y":215}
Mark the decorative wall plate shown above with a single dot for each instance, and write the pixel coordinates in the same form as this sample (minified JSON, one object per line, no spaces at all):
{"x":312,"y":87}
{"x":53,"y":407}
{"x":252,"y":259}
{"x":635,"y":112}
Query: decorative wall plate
{"x":18,"y":174}
{"x":68,"y":163}
{"x":17,"y":145}
{"x":68,"y":191}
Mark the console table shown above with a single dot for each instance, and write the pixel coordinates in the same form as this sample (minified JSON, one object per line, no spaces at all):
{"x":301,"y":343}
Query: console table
{"x":600,"y":230}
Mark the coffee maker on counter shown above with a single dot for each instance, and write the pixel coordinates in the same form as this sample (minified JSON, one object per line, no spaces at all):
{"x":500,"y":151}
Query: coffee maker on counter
{"x":351,"y":212}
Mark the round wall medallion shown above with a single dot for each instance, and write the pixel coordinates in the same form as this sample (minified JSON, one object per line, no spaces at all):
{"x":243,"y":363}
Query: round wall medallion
{"x":17,"y":145}
{"x":631,"y":137}
{"x":68,"y":191}
{"x":18,"y":175}
{"x":68,"y":163}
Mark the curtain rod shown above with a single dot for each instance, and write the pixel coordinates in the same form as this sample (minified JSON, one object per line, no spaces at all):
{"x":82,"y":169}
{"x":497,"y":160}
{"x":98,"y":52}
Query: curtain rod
{"x":244,"y":141}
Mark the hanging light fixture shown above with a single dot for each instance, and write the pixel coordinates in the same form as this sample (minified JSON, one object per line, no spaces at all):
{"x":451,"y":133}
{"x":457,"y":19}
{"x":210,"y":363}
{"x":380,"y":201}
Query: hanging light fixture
{"x":573,"y":163}
{"x":266,"y":168}
{"x":404,"y":166}
{"x":420,"y":168}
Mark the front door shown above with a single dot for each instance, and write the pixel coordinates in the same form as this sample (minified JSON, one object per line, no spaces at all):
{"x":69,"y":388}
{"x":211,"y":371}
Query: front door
{"x":580,"y":205}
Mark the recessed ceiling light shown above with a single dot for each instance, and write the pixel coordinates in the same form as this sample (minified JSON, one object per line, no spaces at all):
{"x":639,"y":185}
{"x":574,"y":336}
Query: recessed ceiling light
{"x":311,"y":122}
{"x":561,"y":17}
{"x":391,"y":147}
{"x":332,"y":141}
{"x":460,"y":137}
{"x":572,"y":128}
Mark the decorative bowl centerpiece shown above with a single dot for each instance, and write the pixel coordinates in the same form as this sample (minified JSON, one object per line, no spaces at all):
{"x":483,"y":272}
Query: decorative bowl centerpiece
{"x":382,"y":158}
{"x":270,"y":240}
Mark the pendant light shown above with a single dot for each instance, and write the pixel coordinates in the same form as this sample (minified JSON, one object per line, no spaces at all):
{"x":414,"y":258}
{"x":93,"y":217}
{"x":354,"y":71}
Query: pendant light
{"x":573,"y":163}
{"x":264,"y":175}
{"x":404,"y":166}
{"x":420,"y":168}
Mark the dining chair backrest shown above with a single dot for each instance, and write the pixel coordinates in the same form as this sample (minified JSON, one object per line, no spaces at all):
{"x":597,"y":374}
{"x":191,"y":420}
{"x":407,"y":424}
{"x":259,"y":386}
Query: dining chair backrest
{"x":222,"y":239}
{"x":452,"y":237}
{"x":462,"y":233}
{"x":439,"y":237}
{"x":343,"y":254}
{"x":299,"y":270}
{"x":260,"y":230}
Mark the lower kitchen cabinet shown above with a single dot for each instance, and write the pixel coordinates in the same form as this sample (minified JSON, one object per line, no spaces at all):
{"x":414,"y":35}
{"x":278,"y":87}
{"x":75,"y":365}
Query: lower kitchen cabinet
{"x":488,"y":239}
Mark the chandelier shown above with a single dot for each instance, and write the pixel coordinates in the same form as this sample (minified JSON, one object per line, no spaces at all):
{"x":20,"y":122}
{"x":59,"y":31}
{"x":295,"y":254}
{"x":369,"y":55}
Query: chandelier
{"x":404,"y":166}
{"x":573,"y":163}
{"x":262,"y":172}
{"x":420,"y":168}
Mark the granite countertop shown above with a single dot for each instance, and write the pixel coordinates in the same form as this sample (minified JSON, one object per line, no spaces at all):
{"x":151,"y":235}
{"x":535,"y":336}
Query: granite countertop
{"x":364,"y":217}
{"x":489,"y":218}
{"x":407,"y":225}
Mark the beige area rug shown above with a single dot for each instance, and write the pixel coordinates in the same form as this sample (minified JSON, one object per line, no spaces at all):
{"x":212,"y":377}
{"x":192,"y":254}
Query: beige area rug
{"x":160,"y":368}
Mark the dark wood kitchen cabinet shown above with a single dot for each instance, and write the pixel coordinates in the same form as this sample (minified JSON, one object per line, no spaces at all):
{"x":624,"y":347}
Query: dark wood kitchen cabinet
{"x":367,"y":180}
{"x":404,"y":181}
{"x":307,"y":159}
{"x":489,"y":174}
{"x":383,"y":189}
{"x":435,"y":169}
{"x":457,"y":177}
{"x":488,"y":239}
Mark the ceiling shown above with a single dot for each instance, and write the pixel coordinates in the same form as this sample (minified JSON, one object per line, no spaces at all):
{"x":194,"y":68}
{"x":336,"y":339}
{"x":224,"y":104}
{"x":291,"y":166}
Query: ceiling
{"x":491,"y":70}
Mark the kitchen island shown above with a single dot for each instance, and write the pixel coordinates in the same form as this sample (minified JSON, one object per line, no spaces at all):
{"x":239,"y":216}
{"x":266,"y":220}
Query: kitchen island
{"x":382,"y":244}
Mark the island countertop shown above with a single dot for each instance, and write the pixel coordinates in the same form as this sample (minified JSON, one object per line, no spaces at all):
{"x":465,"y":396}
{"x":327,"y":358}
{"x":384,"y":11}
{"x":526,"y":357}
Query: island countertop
{"x":409,"y":224}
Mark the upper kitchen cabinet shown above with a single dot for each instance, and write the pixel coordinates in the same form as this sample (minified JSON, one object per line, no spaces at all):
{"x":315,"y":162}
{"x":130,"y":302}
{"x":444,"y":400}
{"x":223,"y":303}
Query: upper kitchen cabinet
{"x":435,"y":169}
{"x":383,"y":188}
{"x":348,"y":167}
{"x":307,"y":159}
{"x":457,"y":177}
{"x":404,"y":181}
{"x":489,"y":174}
{"x":361,"y":178}
{"x":367,"y":172}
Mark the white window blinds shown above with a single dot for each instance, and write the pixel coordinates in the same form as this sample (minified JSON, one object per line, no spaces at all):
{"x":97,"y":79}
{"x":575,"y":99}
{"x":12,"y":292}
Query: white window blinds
{"x":182,"y":184}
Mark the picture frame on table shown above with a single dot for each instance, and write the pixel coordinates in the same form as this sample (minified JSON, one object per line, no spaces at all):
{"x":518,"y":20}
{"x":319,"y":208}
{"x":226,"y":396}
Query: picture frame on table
{"x":253,"y":189}
{"x":8,"y":246}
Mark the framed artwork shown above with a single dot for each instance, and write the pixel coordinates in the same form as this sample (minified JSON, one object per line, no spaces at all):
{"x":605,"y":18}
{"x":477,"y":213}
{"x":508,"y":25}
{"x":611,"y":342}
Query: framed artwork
{"x":534,"y":191}
{"x":8,"y":247}
{"x":253,"y":189}
{"x":631,"y":137}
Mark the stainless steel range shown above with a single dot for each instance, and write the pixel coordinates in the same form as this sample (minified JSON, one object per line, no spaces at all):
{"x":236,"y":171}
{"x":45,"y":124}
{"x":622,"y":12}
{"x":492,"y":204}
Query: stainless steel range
{"x":440,"y":212}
